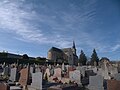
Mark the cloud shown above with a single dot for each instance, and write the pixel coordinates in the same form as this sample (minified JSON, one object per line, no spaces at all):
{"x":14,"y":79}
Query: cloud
{"x":116,"y":47}
{"x":25,"y":22}
{"x":16,"y":20}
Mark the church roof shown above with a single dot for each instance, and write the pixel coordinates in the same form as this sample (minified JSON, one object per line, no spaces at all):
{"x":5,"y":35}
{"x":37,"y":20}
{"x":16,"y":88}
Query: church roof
{"x":66,"y":49}
{"x":55,"y":49}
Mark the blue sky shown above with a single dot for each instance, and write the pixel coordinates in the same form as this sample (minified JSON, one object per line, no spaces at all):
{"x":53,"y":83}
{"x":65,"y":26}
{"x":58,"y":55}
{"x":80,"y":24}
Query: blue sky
{"x":34,"y":26}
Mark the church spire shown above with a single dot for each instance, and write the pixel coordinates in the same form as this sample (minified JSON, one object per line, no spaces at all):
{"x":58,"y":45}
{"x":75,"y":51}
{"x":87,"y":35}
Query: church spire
{"x":74,"y":48}
{"x":74,"y":45}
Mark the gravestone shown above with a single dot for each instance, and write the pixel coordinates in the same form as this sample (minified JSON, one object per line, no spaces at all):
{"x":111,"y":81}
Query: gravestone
{"x":96,"y":83}
{"x":51,"y":72}
{"x":57,"y":73}
{"x":63,"y":67}
{"x":13,"y":74}
{"x":4,"y":86}
{"x":47,"y":72}
{"x":37,"y":69}
{"x":99,"y":72}
{"x":117,"y":76}
{"x":6,"y":71}
{"x":68,"y":69}
{"x":82,"y":70}
{"x":24,"y":76}
{"x":71,"y":75}
{"x":49,"y":66}
{"x":15,"y":88}
{"x":37,"y":80}
{"x":105,"y":70}
{"x":89,"y":73}
{"x":113,"y":70}
{"x":1,"y":69}
{"x":113,"y":85}
{"x":95,"y":69}
{"x":75,"y":76}
{"x":31,"y":70}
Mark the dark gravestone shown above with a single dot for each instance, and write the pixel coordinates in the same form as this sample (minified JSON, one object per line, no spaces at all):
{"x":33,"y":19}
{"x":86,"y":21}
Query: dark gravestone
{"x":7,"y":71}
{"x":89,"y":73}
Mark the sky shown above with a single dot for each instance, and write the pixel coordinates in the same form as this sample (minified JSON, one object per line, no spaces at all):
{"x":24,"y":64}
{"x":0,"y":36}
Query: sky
{"x":34,"y":26}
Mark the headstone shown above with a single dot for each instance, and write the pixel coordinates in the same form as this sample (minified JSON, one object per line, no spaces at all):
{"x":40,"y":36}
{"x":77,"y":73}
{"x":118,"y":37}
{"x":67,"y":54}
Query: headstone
{"x":96,"y":83}
{"x":63,"y":67}
{"x":31,"y":70}
{"x":75,"y":76}
{"x":117,"y":76}
{"x":15,"y":88}
{"x":82,"y":70}
{"x":4,"y":86}
{"x":24,"y":75}
{"x":37,"y":80}
{"x":105,"y":71}
{"x":47,"y":72}
{"x":89,"y":73}
{"x":68,"y":69}
{"x":113,"y":70}
{"x":113,"y":85}
{"x":71,"y":75}
{"x":1,"y":69}
{"x":67,"y":66}
{"x":95,"y":69}
{"x":99,"y":72}
{"x":7,"y":71}
{"x":49,"y":66}
{"x":37,"y":69}
{"x":57,"y":73}
{"x":51,"y":72}
{"x":13,"y":74}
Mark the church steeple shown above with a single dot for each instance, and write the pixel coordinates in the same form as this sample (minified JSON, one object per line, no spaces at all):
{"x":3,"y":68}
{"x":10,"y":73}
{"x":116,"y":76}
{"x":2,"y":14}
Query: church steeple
{"x":74,"y":45}
{"x":74,"y":48}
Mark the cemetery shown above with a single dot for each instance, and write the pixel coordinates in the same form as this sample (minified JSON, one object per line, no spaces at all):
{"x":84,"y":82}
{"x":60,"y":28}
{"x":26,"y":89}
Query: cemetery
{"x":102,"y":75}
{"x":59,"y":77}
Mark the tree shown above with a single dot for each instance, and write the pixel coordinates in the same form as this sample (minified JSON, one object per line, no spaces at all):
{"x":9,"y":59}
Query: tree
{"x":25,"y":56}
{"x":82,"y":58}
{"x":94,"y":58}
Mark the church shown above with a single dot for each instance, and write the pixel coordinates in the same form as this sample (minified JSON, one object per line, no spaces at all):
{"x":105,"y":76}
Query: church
{"x":63,"y":55}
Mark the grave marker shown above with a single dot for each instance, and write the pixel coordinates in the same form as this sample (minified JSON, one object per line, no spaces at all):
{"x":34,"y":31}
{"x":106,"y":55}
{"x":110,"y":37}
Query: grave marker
{"x":37,"y":80}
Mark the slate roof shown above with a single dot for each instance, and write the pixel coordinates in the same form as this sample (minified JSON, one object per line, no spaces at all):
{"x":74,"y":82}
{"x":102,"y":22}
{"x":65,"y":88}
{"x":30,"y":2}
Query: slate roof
{"x":55,"y":49}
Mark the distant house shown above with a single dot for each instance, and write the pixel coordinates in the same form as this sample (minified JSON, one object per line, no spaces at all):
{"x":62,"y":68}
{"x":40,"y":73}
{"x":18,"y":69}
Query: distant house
{"x":63,"y":55}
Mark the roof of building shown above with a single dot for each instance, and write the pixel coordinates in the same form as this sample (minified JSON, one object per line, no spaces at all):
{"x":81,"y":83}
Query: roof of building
{"x":55,"y":49}
{"x":66,"y":49}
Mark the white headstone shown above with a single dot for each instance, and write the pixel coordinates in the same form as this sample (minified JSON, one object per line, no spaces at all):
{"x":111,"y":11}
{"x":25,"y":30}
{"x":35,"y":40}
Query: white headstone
{"x":94,"y":69}
{"x":13,"y":74}
{"x":75,"y":76}
{"x":82,"y":70}
{"x":37,"y":80}
{"x":105,"y":71}
{"x":31,"y":70}
{"x":63,"y":67}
